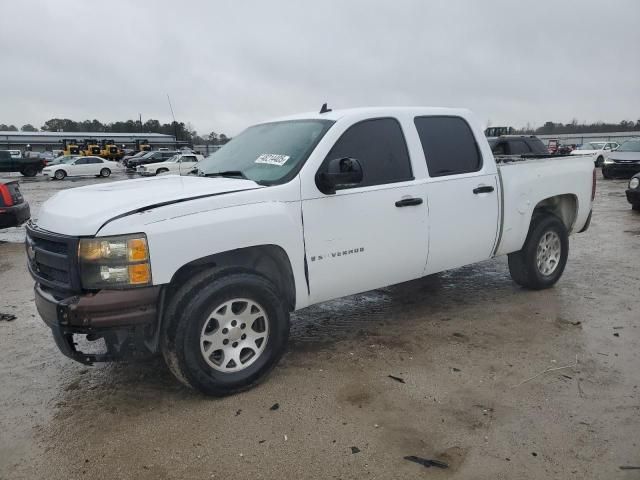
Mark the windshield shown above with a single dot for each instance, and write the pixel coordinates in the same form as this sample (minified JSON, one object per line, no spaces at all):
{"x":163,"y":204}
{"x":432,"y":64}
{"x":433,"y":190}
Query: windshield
{"x":629,"y":146}
{"x":67,"y":159}
{"x":173,"y":159}
{"x":586,"y":146}
{"x":269,"y":153}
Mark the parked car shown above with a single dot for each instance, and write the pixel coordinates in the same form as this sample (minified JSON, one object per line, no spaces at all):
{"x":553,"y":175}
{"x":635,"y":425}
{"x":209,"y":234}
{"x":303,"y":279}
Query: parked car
{"x":14,"y":210}
{"x":82,"y":166}
{"x":624,"y":161}
{"x":633,"y":192}
{"x":290,"y":213}
{"x":29,"y":167}
{"x":181,"y":164}
{"x":597,"y":149}
{"x":517,"y":145}
{"x":150,"y":157}
{"x":126,"y":158}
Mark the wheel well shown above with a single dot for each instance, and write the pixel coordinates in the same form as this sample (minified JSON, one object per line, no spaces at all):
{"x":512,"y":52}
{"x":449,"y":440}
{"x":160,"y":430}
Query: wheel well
{"x":565,"y":207}
{"x":270,"y":261}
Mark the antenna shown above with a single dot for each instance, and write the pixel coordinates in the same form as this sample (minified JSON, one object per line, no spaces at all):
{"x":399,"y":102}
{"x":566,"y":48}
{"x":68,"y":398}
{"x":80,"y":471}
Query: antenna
{"x":175,"y":124}
{"x":324,"y":108}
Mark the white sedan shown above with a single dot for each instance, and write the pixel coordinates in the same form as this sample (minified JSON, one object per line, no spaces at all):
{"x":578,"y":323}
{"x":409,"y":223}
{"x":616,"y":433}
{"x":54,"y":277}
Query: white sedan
{"x":181,"y":164}
{"x":597,"y":149}
{"x":82,"y":166}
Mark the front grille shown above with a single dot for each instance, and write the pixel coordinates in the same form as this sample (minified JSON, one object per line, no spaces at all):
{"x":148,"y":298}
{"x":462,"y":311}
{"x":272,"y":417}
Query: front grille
{"x":52,"y":259}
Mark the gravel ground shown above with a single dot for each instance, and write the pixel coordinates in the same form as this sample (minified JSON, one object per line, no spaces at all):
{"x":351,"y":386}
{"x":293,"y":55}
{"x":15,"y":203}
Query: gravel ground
{"x":466,"y":343}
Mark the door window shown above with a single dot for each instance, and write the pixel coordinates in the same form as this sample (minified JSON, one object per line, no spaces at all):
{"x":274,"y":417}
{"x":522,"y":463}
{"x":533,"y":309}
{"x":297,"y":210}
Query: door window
{"x":81,"y":161}
{"x":380,"y":148}
{"x":449,"y":145}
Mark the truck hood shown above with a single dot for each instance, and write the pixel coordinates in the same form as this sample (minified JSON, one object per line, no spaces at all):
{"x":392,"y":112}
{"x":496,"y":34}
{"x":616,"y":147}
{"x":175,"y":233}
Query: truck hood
{"x":84,"y":210}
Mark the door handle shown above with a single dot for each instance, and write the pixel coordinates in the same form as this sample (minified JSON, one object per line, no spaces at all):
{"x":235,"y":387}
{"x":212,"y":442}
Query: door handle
{"x":408,"y":202}
{"x":483,"y":189}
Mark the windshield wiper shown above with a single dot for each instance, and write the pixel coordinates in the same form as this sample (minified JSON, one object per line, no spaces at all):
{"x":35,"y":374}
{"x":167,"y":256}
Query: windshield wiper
{"x":227,"y":173}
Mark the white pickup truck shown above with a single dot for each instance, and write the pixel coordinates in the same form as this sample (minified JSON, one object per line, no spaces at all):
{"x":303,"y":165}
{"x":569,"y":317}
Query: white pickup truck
{"x":291,"y":212}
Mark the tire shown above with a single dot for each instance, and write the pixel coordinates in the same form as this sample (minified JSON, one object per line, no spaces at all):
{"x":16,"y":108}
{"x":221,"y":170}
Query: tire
{"x":105,"y":172}
{"x":635,"y":206}
{"x":606,"y":174}
{"x":29,"y":171}
{"x":599,"y":161}
{"x":187,"y":322}
{"x":545,"y":229}
{"x":161,"y":170}
{"x":59,"y":174}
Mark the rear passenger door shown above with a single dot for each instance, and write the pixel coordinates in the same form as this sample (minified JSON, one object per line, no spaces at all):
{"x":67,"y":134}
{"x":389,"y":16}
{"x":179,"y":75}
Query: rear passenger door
{"x":372,"y":234}
{"x":462,"y":192}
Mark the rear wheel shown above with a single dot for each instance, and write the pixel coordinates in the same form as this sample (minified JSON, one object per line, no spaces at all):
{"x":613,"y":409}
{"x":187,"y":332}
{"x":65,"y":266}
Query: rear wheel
{"x":105,"y":172}
{"x":60,"y":174}
{"x":543,"y":257}
{"x":29,"y":171}
{"x":224,"y":333}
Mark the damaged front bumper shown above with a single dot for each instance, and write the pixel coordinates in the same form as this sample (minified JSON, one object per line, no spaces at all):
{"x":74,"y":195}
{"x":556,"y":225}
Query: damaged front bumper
{"x":127,"y":320}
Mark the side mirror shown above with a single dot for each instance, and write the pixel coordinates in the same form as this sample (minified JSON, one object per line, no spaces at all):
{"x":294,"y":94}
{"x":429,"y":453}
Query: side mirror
{"x":338,"y":173}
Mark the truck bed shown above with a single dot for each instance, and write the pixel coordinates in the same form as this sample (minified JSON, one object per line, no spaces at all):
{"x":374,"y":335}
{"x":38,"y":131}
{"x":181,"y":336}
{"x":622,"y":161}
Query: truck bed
{"x":526,"y":181}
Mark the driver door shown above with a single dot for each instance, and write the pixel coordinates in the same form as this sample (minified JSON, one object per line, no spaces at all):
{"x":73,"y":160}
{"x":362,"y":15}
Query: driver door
{"x":372,"y":234}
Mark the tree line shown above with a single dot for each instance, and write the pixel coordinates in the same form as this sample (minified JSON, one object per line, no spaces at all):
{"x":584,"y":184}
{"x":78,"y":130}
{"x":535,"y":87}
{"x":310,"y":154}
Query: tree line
{"x":550,"y":128}
{"x":182,"y":132}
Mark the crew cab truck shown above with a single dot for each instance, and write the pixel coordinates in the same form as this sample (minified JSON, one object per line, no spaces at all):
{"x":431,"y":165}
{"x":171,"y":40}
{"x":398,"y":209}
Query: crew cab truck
{"x":206,"y":269}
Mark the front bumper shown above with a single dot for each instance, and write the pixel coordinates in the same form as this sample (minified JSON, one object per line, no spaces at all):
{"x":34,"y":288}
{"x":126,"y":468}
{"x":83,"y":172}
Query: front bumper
{"x":125,"y":319}
{"x":633,"y":196}
{"x":14,"y":215}
{"x":621,"y":169}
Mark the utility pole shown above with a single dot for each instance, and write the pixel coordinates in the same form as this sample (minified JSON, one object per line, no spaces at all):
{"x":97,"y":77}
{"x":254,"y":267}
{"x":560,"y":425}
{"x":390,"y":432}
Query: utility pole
{"x":175,"y":125}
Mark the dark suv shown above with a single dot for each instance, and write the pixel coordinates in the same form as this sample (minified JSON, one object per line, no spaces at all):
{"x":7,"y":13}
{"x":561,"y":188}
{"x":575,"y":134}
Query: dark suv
{"x":517,"y":145}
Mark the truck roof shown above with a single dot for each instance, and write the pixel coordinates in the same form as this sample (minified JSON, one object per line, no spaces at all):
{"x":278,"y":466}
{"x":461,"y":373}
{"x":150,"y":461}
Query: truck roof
{"x":374,"y":112}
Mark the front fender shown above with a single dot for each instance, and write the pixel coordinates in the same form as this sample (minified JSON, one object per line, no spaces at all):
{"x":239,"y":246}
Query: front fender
{"x":177,"y":241}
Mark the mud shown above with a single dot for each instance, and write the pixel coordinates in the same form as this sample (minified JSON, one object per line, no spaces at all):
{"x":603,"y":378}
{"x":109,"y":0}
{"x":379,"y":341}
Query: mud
{"x":463,"y":341}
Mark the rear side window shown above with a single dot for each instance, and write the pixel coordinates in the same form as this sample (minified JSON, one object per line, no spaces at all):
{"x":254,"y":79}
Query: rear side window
{"x":449,"y":145}
{"x":518,"y":147}
{"x":380,"y":148}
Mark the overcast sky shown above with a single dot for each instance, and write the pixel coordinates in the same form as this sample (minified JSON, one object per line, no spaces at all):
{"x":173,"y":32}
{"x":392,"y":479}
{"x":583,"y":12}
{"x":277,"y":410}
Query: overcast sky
{"x":227,"y":64}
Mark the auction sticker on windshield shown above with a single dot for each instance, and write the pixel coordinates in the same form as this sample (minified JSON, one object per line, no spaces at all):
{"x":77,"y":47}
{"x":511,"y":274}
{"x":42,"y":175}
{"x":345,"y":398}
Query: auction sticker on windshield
{"x":272,"y":159}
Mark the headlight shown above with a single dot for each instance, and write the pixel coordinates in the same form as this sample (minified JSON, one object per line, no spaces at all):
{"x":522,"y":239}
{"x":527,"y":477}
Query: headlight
{"x":607,"y":160}
{"x":634,"y":182}
{"x":114,"y":262}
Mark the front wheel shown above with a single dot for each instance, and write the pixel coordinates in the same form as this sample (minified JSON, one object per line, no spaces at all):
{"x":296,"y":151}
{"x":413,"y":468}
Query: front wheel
{"x":635,"y":206}
{"x":224,"y":333}
{"x":599,"y":161}
{"x":60,"y":174}
{"x":105,"y":172}
{"x":606,"y":174}
{"x":544,"y":254}
{"x":161,"y":170}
